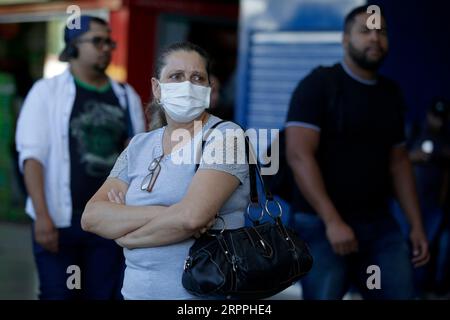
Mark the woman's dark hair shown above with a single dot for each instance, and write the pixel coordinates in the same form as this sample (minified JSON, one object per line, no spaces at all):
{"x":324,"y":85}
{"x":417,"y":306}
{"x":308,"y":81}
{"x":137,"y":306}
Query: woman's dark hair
{"x":180,"y":46}
{"x":154,"y":110}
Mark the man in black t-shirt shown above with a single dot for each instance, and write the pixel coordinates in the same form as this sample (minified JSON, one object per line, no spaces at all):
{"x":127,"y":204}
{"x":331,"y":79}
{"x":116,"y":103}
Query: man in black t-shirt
{"x":345,"y":145}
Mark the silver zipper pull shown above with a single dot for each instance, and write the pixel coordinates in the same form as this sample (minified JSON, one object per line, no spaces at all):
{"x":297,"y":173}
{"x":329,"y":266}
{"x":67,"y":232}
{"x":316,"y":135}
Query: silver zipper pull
{"x":233,"y":262}
{"x":186,"y":263}
{"x":263,"y":244}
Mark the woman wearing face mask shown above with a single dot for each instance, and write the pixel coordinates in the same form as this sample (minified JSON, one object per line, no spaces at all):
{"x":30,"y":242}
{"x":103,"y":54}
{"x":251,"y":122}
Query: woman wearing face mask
{"x":152,"y":203}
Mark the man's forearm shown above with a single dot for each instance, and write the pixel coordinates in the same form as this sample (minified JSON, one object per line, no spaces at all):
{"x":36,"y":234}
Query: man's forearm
{"x":309,"y":178}
{"x":34,"y":182}
{"x":405,"y":187}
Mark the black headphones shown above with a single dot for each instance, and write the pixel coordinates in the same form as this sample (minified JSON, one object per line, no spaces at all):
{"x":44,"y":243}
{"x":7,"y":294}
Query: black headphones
{"x":72,"y":51}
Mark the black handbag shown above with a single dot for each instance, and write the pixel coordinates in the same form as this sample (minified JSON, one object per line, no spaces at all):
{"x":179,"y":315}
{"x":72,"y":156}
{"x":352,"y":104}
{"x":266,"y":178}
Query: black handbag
{"x":251,"y":262}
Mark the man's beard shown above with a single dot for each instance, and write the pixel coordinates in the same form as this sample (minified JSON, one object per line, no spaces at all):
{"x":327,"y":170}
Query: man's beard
{"x":102,"y":65}
{"x":360,"y":58}
{"x":100,"y":68}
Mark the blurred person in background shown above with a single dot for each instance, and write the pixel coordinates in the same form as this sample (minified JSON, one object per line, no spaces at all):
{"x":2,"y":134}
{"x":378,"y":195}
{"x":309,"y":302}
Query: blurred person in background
{"x":217,"y":106}
{"x":430,"y":154}
{"x":70,"y":131}
{"x":346,"y":146}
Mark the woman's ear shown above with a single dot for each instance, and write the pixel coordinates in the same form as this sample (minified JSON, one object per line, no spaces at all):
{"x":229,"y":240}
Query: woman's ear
{"x":156,"y":89}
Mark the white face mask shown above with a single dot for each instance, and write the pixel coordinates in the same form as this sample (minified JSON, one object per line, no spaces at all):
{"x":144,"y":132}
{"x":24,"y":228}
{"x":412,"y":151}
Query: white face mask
{"x":184,"y":101}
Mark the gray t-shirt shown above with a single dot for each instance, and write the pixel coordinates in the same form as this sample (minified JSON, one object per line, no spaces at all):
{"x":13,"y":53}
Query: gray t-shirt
{"x":155,"y":273}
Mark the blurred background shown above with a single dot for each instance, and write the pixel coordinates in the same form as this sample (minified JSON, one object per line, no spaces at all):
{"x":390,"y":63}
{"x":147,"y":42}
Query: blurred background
{"x":261,"y":49}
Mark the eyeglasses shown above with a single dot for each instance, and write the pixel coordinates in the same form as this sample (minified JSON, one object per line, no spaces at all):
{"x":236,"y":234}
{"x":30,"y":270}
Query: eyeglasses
{"x":100,"y":42}
{"x":149,"y":180}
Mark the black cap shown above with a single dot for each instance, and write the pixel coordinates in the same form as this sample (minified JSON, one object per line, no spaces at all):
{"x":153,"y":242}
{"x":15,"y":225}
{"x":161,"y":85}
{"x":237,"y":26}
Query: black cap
{"x":72,"y":31}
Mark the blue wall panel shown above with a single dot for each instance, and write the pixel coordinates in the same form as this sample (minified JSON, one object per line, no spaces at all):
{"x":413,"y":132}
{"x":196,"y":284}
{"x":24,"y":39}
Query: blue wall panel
{"x":277,"y":60}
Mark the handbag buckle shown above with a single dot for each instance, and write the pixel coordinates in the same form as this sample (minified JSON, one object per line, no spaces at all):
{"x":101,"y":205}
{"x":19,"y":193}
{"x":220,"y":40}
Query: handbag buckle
{"x":263,"y":244}
{"x":261,"y":214}
{"x":280,"y":210}
{"x":233,"y":262}
{"x":223,"y":227}
{"x":187,"y":263}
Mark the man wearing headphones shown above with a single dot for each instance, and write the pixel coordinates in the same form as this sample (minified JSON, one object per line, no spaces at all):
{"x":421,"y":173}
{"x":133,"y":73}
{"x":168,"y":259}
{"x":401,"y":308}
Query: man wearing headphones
{"x":69,"y":133}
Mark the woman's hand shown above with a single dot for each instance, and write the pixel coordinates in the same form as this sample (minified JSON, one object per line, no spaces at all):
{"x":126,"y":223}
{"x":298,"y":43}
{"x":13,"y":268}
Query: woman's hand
{"x":124,"y":242}
{"x":192,"y":216}
{"x":107,"y":215}
{"x":206,"y":228}
{"x":120,"y":242}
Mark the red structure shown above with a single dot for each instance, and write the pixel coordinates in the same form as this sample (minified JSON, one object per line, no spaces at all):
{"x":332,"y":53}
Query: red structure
{"x":142,"y":27}
{"x":144,"y":31}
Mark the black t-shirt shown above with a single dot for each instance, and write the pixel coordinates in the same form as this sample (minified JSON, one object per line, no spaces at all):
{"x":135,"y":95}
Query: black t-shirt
{"x":98,"y":131}
{"x":359,"y":124}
